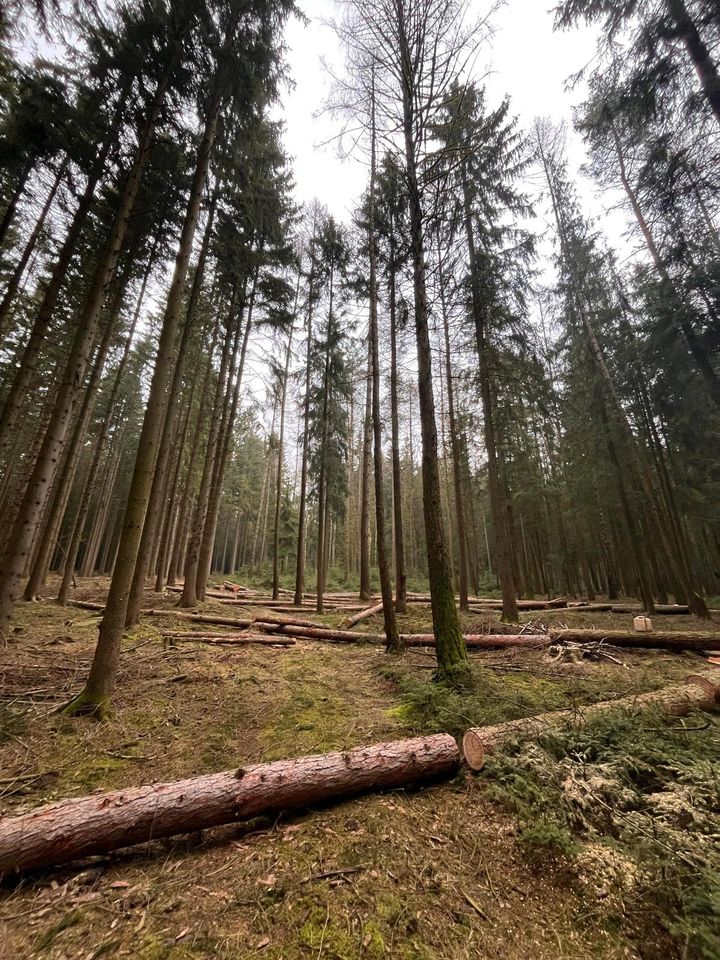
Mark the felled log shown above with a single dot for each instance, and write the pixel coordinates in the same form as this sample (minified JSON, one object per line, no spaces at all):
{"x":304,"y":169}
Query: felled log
{"x":585,"y":605}
{"x":364,"y":614}
{"x":480,"y":605}
{"x":662,"y":609}
{"x":652,"y":640}
{"x":199,"y":617}
{"x":86,"y":605}
{"x":488,"y":641}
{"x":238,"y":639}
{"x":77,"y":828}
{"x":697,"y":692}
{"x":320,"y":633}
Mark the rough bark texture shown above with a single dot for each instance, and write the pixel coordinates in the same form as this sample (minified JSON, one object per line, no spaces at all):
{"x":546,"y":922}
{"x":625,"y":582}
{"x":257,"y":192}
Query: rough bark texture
{"x":77,"y":828}
{"x":698,"y":693}
{"x":652,"y":640}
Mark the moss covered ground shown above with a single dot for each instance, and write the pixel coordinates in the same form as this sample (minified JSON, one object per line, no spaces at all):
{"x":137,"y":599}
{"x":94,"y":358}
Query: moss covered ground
{"x":594,"y":843}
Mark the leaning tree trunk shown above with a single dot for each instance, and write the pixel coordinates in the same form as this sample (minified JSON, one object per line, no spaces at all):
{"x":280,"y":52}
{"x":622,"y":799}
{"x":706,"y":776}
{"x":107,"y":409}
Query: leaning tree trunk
{"x":169,"y":433}
{"x":10,"y":210}
{"x":95,"y":697}
{"x":450,"y":649}
{"x":26,"y":367}
{"x":32,"y":508}
{"x":77,"y":828}
{"x":698,"y":53}
{"x":13,"y":284}
{"x":78,"y":525}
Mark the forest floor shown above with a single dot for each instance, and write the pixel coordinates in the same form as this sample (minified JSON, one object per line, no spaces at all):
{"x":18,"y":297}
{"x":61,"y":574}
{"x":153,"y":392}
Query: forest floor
{"x":592,"y":844}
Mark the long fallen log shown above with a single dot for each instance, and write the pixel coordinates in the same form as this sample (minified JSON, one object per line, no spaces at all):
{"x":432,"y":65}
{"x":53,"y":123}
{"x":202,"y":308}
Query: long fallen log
{"x":489,"y":641}
{"x":320,"y":633}
{"x":237,"y":639}
{"x":661,"y":609}
{"x":697,"y":692}
{"x":658,"y":640}
{"x":364,"y":614}
{"x":175,"y":613}
{"x":100,"y":823}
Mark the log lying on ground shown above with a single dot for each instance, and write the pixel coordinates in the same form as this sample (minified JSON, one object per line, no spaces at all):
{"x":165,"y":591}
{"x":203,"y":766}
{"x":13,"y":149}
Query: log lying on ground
{"x":237,"y":639}
{"x":662,"y":609}
{"x":364,"y":614}
{"x":78,"y":828}
{"x":584,"y":605}
{"x":177,"y":614}
{"x":320,"y":633}
{"x":489,"y":641}
{"x":698,"y":692}
{"x":657,"y":640}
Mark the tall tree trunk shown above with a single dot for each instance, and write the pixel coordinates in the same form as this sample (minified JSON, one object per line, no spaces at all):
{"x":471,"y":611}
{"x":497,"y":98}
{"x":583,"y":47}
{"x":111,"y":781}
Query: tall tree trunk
{"x":232,"y":333}
{"x":78,"y":525}
{"x":11,"y":208}
{"x":503,"y":552}
{"x":400,"y":574}
{"x":169,"y":430}
{"x":95,"y":697}
{"x":393,"y":643}
{"x":455,"y":447}
{"x":365,"y":587}
{"x":679,"y":309}
{"x":302,"y":510}
{"x":32,"y":509}
{"x":66,"y":477}
{"x":698,"y":52}
{"x":450,"y":647}
{"x":281,"y":451}
{"x":26,"y":367}
{"x":211,"y":518}
{"x":13,"y":283}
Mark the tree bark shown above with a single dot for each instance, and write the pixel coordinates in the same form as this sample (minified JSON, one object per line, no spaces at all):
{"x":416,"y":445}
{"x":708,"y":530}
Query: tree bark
{"x":398,"y":522}
{"x":78,"y":828}
{"x":95,"y":697}
{"x":697,"y":693}
{"x":32,"y":509}
{"x":450,"y":649}
{"x":365,"y":587}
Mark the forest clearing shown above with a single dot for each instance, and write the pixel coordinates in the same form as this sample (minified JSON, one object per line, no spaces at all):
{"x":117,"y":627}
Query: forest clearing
{"x":359,"y":479}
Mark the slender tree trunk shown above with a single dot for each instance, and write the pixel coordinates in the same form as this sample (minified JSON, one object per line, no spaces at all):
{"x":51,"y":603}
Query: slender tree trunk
{"x":10,"y":210}
{"x":76,"y":531}
{"x":456,"y":450}
{"x":365,"y":587}
{"x":32,"y":509}
{"x":168,"y":437}
{"x":393,"y":643}
{"x":232,"y":332}
{"x":281,"y":451}
{"x":450,"y":647}
{"x":13,"y":283}
{"x":208,"y":536}
{"x":698,"y":52}
{"x":400,"y":574}
{"x":503,"y":555}
{"x":66,"y":477}
{"x":26,"y":371}
{"x":302,"y":522}
{"x":95,"y":697}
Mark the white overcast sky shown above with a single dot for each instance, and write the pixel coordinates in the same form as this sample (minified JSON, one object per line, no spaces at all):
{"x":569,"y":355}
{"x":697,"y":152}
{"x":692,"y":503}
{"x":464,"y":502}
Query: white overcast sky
{"x":524,"y":59}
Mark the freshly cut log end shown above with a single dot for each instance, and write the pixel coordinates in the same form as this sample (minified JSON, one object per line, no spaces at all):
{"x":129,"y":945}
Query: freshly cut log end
{"x":71,"y":829}
{"x":698,"y":692}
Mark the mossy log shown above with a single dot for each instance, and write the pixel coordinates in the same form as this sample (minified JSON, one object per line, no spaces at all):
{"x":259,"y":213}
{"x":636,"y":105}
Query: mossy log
{"x":697,"y":693}
{"x":652,"y":640}
{"x":71,"y":829}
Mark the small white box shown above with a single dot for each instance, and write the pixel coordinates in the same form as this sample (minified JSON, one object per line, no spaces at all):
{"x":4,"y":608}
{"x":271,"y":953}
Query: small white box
{"x":643,"y":624}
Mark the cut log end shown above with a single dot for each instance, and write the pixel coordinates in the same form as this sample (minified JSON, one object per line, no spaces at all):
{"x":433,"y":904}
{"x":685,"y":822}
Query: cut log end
{"x":473,"y":750}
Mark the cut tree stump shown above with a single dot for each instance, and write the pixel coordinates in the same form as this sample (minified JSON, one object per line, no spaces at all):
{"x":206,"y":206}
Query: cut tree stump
{"x":652,"y":640}
{"x":100,"y":823}
{"x":697,"y":693}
